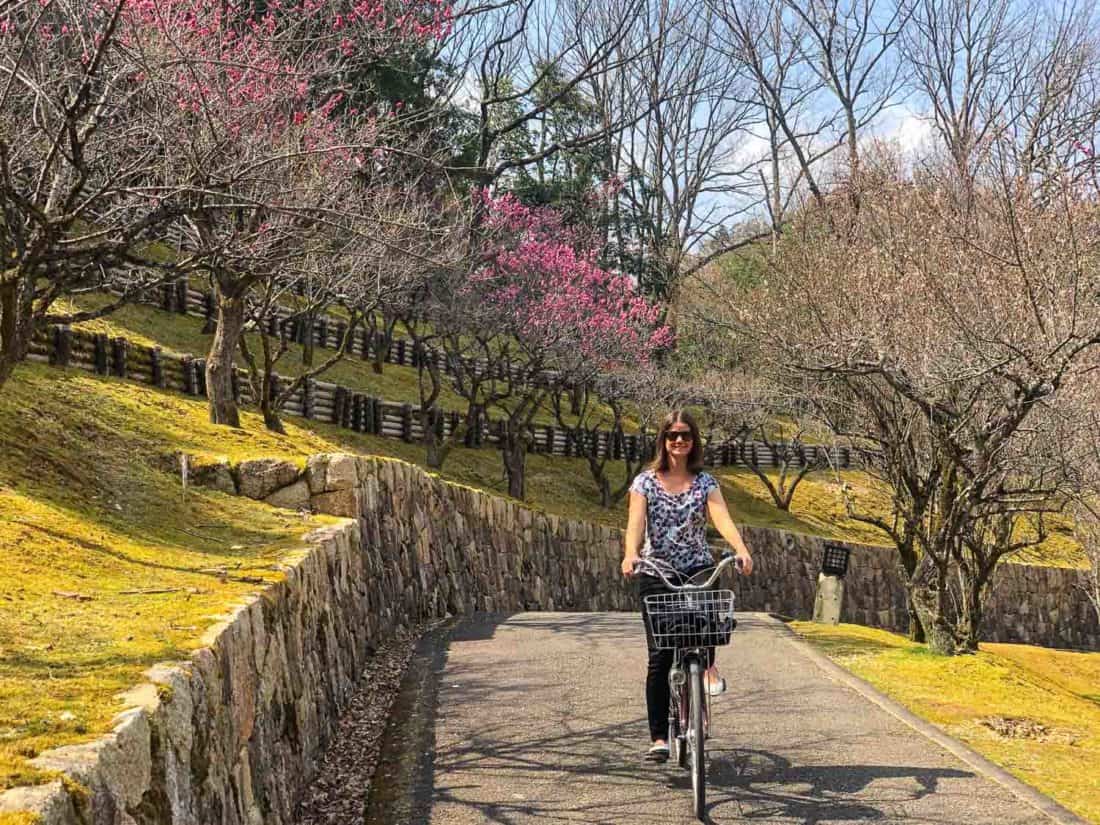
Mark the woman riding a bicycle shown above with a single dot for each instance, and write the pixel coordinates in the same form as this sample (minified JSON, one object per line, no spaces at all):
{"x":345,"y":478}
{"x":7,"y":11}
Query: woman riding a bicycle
{"x":669,"y":505}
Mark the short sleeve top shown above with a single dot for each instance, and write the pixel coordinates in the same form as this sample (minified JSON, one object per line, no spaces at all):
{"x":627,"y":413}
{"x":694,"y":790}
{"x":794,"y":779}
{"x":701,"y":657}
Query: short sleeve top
{"x":675,"y":527}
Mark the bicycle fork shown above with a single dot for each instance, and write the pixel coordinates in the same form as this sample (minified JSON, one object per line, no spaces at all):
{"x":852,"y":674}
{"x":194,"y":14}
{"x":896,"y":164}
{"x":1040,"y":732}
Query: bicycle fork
{"x":680,"y":706}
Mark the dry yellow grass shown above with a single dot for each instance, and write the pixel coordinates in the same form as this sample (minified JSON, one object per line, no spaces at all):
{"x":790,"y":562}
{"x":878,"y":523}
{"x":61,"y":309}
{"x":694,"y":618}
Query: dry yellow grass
{"x":1034,"y":711}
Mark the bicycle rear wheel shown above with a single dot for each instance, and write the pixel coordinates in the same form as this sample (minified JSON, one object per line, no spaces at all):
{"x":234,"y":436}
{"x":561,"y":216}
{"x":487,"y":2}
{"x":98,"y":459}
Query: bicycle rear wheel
{"x":695,"y":741}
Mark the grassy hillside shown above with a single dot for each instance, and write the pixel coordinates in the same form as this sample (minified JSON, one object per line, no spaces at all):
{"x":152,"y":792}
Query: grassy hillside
{"x":1034,"y":711}
{"x":92,"y":520}
{"x":182,"y":335}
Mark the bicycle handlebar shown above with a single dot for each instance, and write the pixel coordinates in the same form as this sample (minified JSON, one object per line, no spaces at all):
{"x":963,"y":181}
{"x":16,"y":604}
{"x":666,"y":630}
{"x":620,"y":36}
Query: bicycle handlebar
{"x":727,"y":559}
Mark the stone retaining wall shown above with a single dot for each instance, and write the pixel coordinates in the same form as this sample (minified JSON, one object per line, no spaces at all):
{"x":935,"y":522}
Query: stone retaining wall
{"x":231,"y":736}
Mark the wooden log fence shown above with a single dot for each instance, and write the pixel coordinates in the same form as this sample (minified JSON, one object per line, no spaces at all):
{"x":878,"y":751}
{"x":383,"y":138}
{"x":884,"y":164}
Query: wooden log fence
{"x":359,"y":412}
{"x":328,"y":331}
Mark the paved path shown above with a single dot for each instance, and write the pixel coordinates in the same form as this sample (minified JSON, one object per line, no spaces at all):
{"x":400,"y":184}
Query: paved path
{"x":540,"y":718}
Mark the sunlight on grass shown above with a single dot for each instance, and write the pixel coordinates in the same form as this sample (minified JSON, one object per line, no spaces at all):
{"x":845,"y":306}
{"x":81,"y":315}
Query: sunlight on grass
{"x":182,"y":335}
{"x":1032,"y":710}
{"x":89,"y":518}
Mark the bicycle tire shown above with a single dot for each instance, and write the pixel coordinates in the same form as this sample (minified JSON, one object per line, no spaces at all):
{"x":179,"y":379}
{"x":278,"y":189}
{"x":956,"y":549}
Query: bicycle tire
{"x":695,"y":741}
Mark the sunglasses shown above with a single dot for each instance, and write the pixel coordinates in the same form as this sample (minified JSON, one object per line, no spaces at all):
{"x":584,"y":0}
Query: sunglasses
{"x":673,"y":435}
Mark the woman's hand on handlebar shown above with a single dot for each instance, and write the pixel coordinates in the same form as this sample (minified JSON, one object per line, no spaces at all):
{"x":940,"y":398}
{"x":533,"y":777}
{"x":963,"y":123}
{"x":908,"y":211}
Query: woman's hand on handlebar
{"x":628,"y":565}
{"x":744,"y":564}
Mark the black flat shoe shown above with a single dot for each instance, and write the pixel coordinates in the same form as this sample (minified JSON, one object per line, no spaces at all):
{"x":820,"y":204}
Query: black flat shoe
{"x":658,"y":753}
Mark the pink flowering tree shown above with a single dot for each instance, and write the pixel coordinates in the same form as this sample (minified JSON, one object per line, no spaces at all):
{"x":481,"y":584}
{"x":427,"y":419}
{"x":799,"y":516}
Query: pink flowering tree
{"x":264,"y":149}
{"x":561,"y":319}
{"x":79,"y":202}
{"x":230,"y":126}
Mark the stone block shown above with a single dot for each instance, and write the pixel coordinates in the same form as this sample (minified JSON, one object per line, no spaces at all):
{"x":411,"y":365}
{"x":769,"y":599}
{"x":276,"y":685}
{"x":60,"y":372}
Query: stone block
{"x":292,"y":497}
{"x":217,"y":476}
{"x":316,"y":472}
{"x":50,"y":803}
{"x":337,"y":503}
{"x":261,"y":477}
{"x":342,"y":473}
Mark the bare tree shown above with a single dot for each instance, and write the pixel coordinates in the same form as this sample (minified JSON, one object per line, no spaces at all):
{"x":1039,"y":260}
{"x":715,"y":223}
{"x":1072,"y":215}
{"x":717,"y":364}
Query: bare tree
{"x":79,"y":194}
{"x":965,"y":62}
{"x":681,"y":166}
{"x":799,"y":127}
{"x":1082,"y":436}
{"x":971,"y":331}
{"x":747,"y":409}
{"x":851,"y":48}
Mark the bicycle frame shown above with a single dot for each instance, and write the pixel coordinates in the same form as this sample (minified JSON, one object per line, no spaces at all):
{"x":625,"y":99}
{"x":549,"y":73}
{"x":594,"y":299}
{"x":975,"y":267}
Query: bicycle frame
{"x":689,"y":702}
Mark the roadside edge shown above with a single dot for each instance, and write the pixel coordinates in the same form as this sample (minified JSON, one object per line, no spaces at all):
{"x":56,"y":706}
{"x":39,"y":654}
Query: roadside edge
{"x":1026,"y":793}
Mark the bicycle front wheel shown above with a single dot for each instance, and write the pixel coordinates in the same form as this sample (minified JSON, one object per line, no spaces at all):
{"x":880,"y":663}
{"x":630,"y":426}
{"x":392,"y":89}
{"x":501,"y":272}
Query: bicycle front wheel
{"x":695,"y":741}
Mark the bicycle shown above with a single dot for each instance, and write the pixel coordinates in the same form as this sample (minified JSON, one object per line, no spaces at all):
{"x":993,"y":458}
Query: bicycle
{"x":688,"y":620}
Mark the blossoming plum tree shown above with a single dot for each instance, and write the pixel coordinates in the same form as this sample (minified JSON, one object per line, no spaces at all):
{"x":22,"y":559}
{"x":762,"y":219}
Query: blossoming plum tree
{"x":556,"y":311}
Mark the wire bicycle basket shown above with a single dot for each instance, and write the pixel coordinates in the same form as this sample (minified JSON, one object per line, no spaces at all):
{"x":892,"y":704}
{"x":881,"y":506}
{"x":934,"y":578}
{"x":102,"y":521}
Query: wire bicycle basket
{"x":691,"y":619}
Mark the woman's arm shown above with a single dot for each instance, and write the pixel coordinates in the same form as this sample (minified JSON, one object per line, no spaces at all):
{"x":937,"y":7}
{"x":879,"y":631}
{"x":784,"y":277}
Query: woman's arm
{"x":720,"y":517}
{"x":635,"y":532}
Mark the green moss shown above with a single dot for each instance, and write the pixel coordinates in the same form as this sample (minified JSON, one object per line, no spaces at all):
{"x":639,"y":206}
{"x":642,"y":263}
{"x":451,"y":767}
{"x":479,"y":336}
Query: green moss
{"x":964,"y":694}
{"x":89,"y":520}
{"x":164,"y":693}
{"x":20,"y":818}
{"x":80,"y":794}
{"x":182,"y":335}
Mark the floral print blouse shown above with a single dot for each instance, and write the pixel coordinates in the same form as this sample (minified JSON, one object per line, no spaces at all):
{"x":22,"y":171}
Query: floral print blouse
{"x":675,"y":524}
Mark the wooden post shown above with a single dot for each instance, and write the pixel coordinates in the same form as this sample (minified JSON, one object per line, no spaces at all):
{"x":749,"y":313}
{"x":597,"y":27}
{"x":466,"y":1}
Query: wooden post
{"x":377,"y":414}
{"x":551,"y":436}
{"x":167,"y":296}
{"x":339,"y":396}
{"x":210,"y":312}
{"x":322,"y":331}
{"x":401,"y":351}
{"x":99,"y":353}
{"x":120,"y":350}
{"x":366,"y":340}
{"x":188,"y":365}
{"x":181,"y":286}
{"x":307,"y":398}
{"x":157,"y":367}
{"x":63,"y":346}
{"x":368,"y":415}
{"x":357,"y":412}
{"x":406,"y":422}
{"x":235,"y":383}
{"x":200,"y":376}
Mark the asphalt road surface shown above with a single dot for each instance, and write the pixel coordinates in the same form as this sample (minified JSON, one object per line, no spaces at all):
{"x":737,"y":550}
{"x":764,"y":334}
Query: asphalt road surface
{"x":540,"y":718}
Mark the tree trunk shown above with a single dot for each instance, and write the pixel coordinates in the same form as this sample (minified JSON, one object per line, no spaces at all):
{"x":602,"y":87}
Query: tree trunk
{"x":268,"y":401}
{"x":436,"y":445}
{"x":916,"y":627}
{"x":14,"y":335}
{"x":970,"y":623}
{"x":381,"y":348}
{"x":514,"y":453}
{"x":928,"y":596}
{"x":909,"y":568}
{"x":307,"y":341}
{"x":576,"y":399}
{"x":219,"y":364}
{"x":271,"y":419}
{"x":941,"y":637}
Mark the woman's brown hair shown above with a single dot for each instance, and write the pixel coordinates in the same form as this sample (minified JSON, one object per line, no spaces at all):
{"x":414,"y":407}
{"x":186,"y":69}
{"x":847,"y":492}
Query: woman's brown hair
{"x":695,"y":457}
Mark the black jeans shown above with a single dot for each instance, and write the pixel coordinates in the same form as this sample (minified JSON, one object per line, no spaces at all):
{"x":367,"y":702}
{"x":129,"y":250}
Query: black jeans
{"x":660,"y":662}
